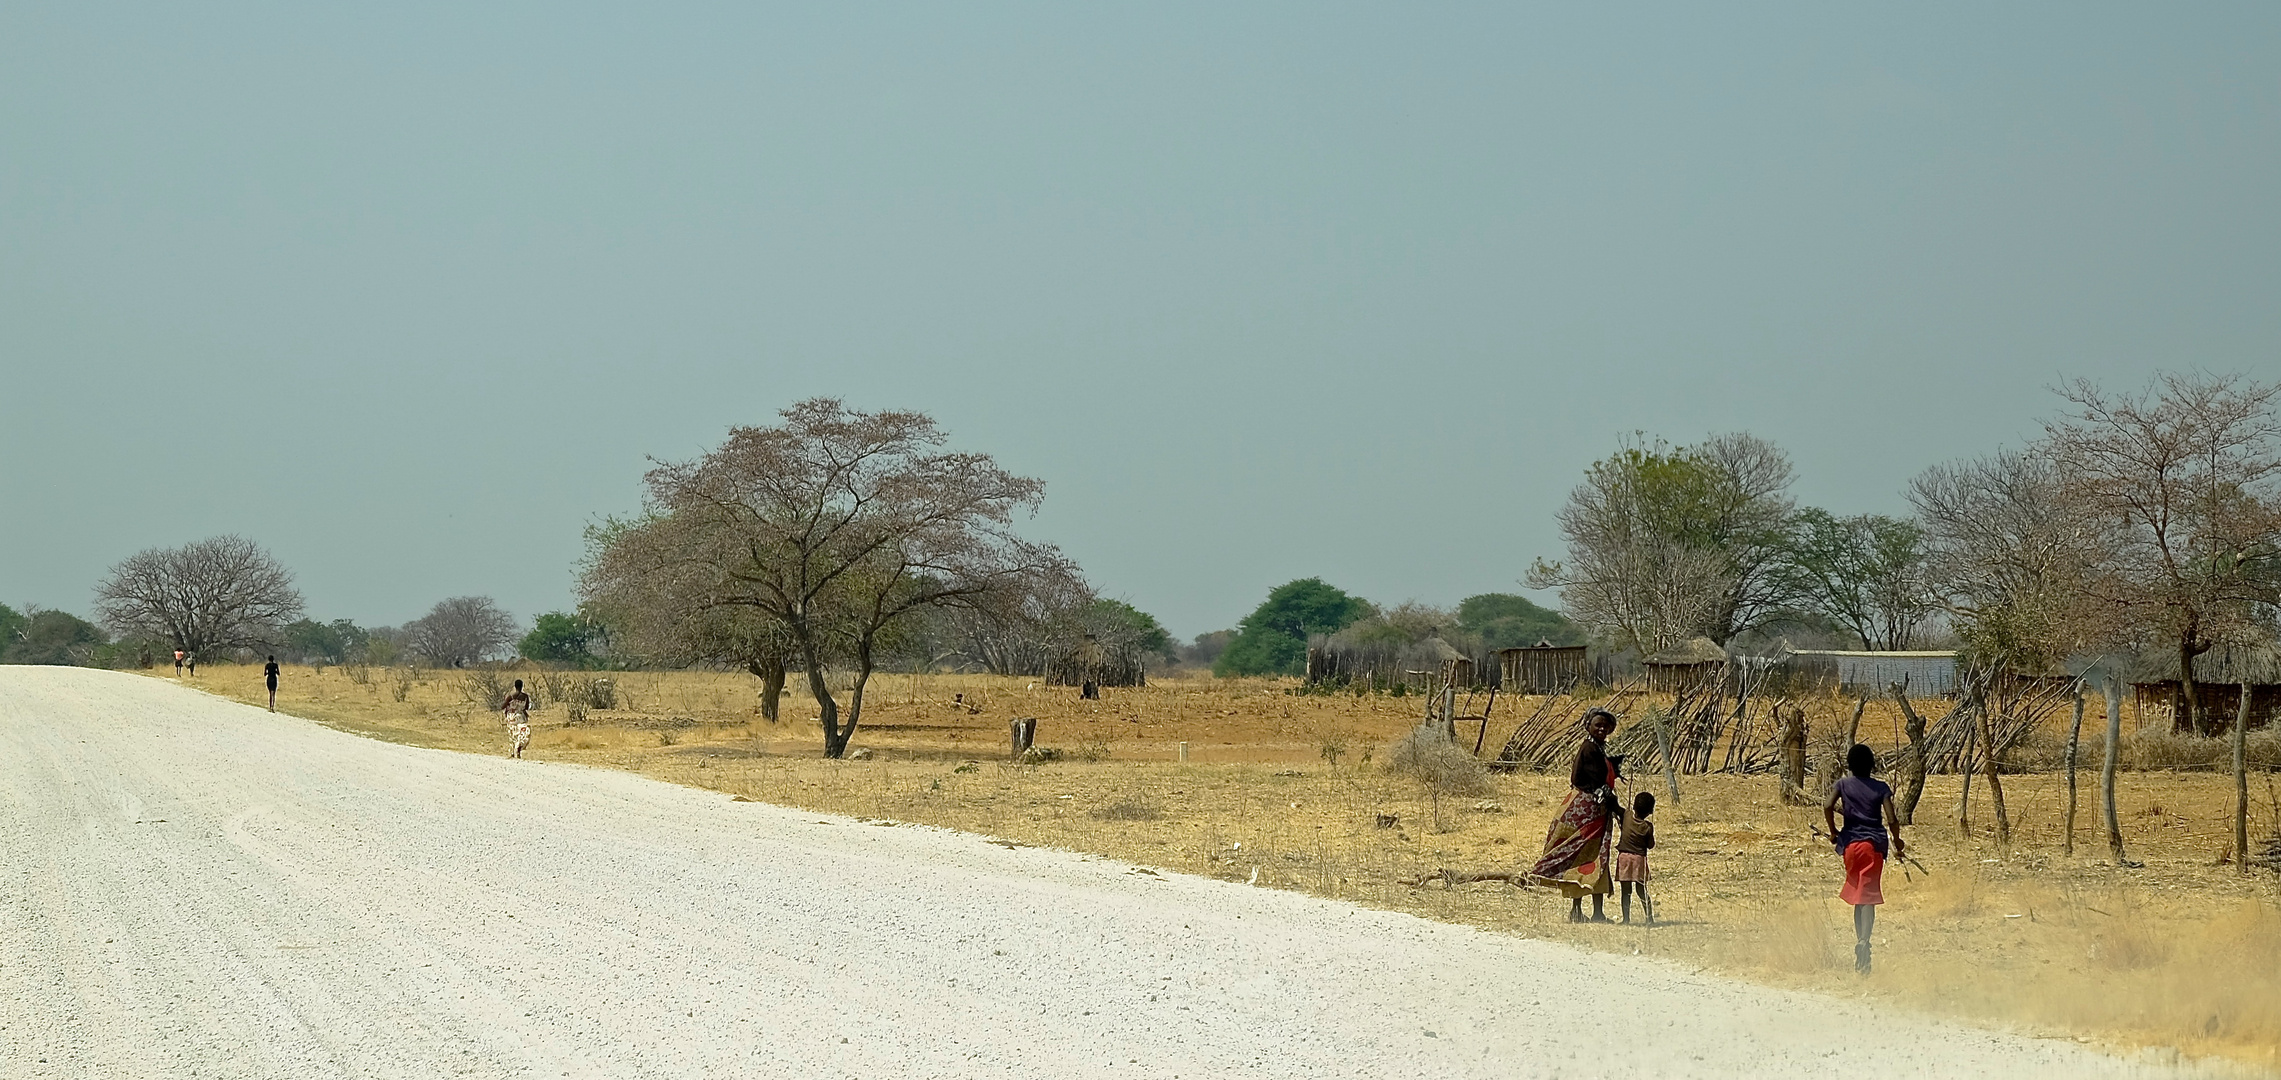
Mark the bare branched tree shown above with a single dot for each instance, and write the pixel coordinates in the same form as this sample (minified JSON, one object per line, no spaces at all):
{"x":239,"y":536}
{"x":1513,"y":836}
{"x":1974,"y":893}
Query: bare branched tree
{"x":2011,"y":556}
{"x":2188,"y":469}
{"x":637,"y":582}
{"x":1669,"y":544}
{"x":460,"y":631}
{"x":217,"y":594}
{"x":836,"y":525}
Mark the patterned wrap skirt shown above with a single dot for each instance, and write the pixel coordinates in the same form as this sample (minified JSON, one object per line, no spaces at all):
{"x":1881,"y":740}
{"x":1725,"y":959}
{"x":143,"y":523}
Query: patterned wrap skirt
{"x":1576,"y":849}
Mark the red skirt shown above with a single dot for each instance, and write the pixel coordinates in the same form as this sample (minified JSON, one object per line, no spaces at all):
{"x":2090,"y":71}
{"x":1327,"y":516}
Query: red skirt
{"x":1864,"y":874}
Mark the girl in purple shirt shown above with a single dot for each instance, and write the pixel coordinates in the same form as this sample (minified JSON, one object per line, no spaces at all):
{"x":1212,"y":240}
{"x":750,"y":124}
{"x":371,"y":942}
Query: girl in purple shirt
{"x":1871,"y":825}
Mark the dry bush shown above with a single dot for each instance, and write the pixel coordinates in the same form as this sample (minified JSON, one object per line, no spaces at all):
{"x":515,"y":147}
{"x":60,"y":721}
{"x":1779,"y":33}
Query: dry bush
{"x":483,"y":687}
{"x":1130,"y":808}
{"x":400,"y":687}
{"x":359,"y":674}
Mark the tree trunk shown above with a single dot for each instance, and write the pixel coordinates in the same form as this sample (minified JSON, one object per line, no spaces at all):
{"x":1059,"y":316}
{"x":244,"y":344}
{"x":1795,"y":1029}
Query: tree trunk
{"x":1794,"y":757}
{"x":771,"y":675}
{"x":2241,"y":782}
{"x":1853,"y":731}
{"x":1995,"y":786}
{"x":2189,"y":702}
{"x":2074,"y":743}
{"x":1964,"y":792}
{"x":1663,"y":734}
{"x":827,"y":709}
{"x":1914,"y":725}
{"x":2114,"y":690}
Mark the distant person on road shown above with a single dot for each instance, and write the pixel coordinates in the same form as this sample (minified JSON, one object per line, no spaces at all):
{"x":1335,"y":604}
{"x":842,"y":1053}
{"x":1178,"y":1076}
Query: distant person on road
{"x":192,"y":658}
{"x":178,"y":655}
{"x":1871,"y":824}
{"x":269,"y":675}
{"x":1631,"y":854}
{"x":1576,"y":847}
{"x":517,"y":712}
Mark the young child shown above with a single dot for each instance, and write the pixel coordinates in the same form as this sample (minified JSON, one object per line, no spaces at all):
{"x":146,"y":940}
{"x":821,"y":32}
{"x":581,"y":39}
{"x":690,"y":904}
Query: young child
{"x":1631,"y":854}
{"x":1871,"y":824}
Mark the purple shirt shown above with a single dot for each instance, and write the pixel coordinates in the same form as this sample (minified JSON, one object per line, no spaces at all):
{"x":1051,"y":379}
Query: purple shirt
{"x":1862,"y":800}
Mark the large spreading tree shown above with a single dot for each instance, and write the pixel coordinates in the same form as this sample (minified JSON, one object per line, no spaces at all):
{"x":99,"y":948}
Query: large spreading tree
{"x":204,"y":598}
{"x":825,"y":533}
{"x":1272,"y":640}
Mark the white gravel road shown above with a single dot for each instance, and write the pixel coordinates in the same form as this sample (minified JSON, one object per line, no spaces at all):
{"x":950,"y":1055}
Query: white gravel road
{"x":192,"y":887}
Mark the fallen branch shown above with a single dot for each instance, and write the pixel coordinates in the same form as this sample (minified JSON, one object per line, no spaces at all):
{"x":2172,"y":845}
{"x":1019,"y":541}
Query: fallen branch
{"x":1450,"y":878}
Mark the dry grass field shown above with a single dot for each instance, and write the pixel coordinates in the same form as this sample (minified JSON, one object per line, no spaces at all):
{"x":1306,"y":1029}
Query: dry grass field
{"x":1288,"y":791}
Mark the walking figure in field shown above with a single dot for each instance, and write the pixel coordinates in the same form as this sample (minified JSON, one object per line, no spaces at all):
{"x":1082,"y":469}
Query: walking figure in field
{"x":517,"y":711}
{"x":269,"y":675}
{"x":192,"y":659}
{"x":1871,"y":825}
{"x":1631,"y":854}
{"x":1576,"y":847}
{"x":178,"y":655}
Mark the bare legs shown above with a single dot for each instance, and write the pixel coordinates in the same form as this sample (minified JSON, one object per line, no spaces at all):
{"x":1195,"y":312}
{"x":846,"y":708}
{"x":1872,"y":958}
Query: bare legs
{"x":1864,"y":921}
{"x":1645,"y":903}
{"x":1599,"y":912}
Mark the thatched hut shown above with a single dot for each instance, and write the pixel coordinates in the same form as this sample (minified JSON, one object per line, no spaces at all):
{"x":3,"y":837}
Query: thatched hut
{"x":1091,"y":664}
{"x":1684,"y":667}
{"x":1544,"y":669}
{"x":2219,"y":675}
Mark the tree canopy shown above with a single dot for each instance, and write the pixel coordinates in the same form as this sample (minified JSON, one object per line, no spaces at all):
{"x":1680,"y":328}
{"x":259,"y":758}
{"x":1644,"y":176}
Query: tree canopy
{"x":47,"y":636}
{"x":1670,"y":543}
{"x":560,"y":638}
{"x":217,"y":594}
{"x":1508,"y":621}
{"x":1272,"y":640}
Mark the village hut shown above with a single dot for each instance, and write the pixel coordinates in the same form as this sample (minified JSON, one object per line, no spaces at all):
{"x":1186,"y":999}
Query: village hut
{"x":1684,"y":667}
{"x":2218,"y":678}
{"x":1543,"y":669}
{"x":1091,"y":665}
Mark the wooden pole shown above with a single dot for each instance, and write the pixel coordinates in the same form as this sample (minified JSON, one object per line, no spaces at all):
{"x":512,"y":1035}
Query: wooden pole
{"x":2241,"y":782}
{"x":2074,"y":743}
{"x":1794,"y":756}
{"x":1917,"y":764}
{"x":1670,"y":768}
{"x":2107,"y":768}
{"x":1995,"y":786}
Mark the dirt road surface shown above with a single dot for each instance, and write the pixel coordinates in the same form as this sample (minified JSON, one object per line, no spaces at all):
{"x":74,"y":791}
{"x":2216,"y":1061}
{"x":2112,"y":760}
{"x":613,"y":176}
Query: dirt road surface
{"x":192,"y":887}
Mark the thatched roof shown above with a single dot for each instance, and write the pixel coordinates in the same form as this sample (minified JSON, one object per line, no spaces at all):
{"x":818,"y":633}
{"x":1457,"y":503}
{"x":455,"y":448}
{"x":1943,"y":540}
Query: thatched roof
{"x":1443,"y":650}
{"x":2258,"y":664}
{"x":1701,"y":650}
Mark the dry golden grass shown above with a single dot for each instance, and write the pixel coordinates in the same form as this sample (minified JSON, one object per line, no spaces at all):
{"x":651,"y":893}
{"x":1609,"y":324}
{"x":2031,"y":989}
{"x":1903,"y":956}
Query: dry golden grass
{"x":2184,"y":952}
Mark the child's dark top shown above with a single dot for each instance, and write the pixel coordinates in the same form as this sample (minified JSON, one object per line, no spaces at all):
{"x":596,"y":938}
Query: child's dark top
{"x":1862,"y":799}
{"x":1639,"y":835}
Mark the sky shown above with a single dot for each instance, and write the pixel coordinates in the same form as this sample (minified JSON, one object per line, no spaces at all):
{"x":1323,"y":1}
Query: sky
{"x":411,"y":294}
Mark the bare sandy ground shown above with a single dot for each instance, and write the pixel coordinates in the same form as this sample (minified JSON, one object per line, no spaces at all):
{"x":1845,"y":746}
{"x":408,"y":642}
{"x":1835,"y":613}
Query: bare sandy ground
{"x":191,"y":887}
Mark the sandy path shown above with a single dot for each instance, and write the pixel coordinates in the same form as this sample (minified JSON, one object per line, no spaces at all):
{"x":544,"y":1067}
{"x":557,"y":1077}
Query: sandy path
{"x":191,"y":887}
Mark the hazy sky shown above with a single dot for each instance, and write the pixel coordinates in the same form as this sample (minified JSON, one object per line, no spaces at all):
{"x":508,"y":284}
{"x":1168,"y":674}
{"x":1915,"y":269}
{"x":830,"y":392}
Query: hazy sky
{"x":407,"y":292}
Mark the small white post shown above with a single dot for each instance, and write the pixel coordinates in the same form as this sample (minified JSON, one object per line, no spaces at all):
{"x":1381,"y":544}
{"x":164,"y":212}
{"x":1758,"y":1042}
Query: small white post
{"x":1183,"y":752}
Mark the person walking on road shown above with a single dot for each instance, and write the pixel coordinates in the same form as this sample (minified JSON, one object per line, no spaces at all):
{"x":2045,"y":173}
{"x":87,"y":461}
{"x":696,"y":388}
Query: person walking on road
{"x":269,"y":675}
{"x":517,"y":712}
{"x":1871,"y":826}
{"x":178,"y":655}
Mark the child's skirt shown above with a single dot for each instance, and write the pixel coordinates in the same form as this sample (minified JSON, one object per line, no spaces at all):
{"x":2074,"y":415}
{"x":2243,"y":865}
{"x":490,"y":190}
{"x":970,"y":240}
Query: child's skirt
{"x":1630,"y":867}
{"x":1864,"y":874}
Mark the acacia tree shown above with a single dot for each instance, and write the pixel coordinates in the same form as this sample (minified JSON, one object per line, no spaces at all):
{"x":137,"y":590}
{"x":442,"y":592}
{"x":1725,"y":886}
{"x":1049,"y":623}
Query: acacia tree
{"x":2186,"y":470}
{"x":1866,"y":572}
{"x":658,"y":604}
{"x":460,"y":631}
{"x":1670,"y":543}
{"x":836,"y":525}
{"x":220,"y":593}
